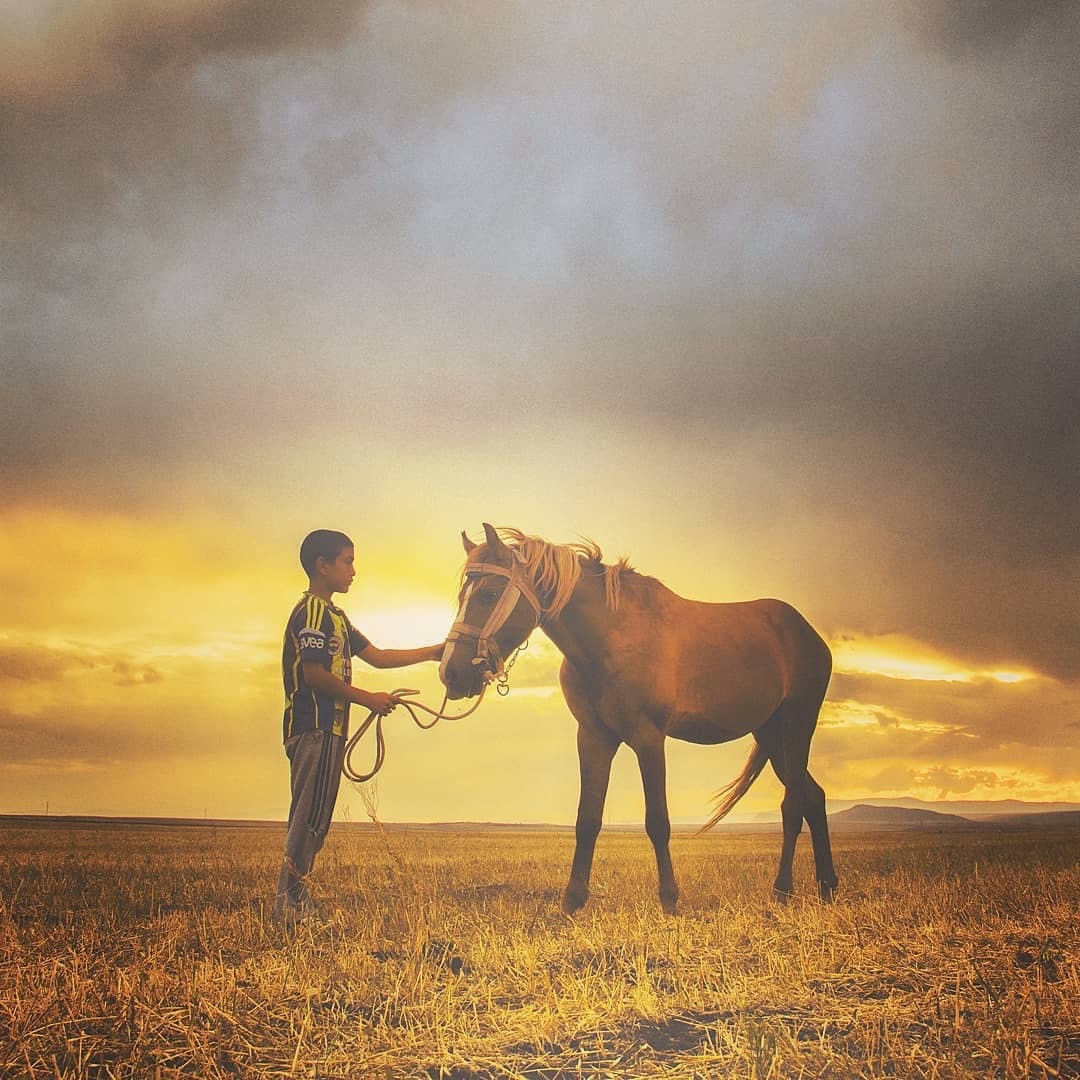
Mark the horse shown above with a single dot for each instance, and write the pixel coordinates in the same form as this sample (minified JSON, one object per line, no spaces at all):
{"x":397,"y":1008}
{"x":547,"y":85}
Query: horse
{"x":641,"y":663}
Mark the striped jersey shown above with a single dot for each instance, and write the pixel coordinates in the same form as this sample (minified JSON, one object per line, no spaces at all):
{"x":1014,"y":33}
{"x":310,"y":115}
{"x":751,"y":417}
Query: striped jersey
{"x":318,"y":631}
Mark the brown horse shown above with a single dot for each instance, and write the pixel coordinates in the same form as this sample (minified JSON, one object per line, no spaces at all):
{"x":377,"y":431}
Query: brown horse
{"x":641,"y":663}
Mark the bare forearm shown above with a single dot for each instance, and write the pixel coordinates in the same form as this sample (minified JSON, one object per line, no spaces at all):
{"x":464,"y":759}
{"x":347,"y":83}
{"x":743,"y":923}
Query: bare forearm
{"x":396,"y":658}
{"x":318,"y":678}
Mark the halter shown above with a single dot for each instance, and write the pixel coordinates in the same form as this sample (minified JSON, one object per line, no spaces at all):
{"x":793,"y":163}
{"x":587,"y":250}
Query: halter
{"x":517,"y":586}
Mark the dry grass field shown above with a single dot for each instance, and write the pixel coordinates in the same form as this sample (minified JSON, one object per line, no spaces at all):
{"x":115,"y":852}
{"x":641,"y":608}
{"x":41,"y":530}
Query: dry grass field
{"x":139,"y":951}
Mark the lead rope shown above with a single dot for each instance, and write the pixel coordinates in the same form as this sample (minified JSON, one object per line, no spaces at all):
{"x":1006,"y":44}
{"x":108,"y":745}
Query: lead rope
{"x":502,"y":688}
{"x":411,"y":708}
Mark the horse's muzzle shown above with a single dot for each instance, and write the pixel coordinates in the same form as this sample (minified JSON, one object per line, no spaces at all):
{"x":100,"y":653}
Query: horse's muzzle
{"x":455,"y":692}
{"x":464,"y":676}
{"x":461,"y":682}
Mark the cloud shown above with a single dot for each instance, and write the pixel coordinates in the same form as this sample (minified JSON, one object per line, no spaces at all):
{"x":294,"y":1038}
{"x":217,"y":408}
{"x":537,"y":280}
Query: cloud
{"x":980,"y":26}
{"x":59,"y":53}
{"x":49,"y":741}
{"x":986,"y":716}
{"x":897,"y":656}
{"x":128,"y":674}
{"x":42,"y":664}
{"x":126,"y":711}
{"x":950,"y":781}
{"x":944,"y":783}
{"x":24,"y":663}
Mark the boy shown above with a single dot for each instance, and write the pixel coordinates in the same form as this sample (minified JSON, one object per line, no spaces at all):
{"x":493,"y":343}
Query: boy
{"x":317,"y":671}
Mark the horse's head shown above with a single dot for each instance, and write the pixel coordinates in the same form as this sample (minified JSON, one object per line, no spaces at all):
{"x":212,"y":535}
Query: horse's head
{"x":498,"y":609}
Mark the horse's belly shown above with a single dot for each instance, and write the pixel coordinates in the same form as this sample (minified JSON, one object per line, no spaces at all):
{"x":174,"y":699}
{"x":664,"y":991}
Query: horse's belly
{"x":710,"y":730}
{"x":720,"y":696}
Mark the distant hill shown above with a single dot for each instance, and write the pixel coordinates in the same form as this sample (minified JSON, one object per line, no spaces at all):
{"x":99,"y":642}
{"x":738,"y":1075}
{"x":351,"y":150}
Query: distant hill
{"x":969,"y":808}
{"x":865,"y":815}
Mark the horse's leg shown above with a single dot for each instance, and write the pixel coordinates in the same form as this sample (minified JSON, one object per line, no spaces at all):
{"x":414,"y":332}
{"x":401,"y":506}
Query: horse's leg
{"x":653,"y":765}
{"x":814,"y":811}
{"x":771,"y":738}
{"x":789,"y":762}
{"x":792,"y":818}
{"x":595,"y":751}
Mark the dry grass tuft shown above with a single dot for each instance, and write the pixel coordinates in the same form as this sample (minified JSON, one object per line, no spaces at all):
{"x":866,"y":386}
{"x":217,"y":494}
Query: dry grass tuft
{"x":149,"y":952}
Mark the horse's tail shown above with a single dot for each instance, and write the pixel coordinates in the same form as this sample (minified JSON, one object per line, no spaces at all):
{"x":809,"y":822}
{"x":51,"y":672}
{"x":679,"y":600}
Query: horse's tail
{"x":726,"y":798}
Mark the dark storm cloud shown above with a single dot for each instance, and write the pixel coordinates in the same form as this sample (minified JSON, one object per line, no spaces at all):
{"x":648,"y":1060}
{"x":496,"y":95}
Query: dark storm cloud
{"x":950,"y":428}
{"x":1033,"y":45}
{"x":965,"y":27}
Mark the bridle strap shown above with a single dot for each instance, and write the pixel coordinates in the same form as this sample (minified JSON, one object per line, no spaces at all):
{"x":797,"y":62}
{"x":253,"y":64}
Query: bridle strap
{"x":513,"y":576}
{"x":516,"y":587}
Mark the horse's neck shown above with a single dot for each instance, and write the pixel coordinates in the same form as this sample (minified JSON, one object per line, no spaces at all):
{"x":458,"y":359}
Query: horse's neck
{"x":581,"y":630}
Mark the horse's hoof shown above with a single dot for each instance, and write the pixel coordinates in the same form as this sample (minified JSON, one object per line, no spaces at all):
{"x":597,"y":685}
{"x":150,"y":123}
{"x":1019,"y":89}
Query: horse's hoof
{"x":782,"y":896}
{"x":827,"y":891}
{"x":572,"y":903}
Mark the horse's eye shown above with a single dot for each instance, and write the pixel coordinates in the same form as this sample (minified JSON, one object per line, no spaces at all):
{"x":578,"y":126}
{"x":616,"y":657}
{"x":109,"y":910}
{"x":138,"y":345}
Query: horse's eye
{"x":489,"y":596}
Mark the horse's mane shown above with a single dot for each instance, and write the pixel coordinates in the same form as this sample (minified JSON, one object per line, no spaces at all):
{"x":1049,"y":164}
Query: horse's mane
{"x":555,"y":569}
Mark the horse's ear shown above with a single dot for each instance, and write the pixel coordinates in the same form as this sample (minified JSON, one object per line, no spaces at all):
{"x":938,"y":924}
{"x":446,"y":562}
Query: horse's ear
{"x":469,"y":545}
{"x":494,"y":541}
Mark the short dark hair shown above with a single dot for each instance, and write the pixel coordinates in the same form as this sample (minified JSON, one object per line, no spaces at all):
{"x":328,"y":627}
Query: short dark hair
{"x":322,"y":542}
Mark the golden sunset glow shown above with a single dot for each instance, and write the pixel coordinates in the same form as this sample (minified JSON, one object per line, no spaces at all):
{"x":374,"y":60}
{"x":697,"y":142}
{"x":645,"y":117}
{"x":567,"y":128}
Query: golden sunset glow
{"x":895,"y":656}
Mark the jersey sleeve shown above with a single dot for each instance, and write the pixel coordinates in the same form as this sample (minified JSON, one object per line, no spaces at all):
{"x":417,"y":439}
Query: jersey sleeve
{"x":311,"y":633}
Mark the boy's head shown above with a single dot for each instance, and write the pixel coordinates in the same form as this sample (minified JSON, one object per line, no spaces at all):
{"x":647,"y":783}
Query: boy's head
{"x":328,"y":554}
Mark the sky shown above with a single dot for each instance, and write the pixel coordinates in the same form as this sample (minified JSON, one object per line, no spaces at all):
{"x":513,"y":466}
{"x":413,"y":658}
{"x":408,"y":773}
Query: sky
{"x":774,"y":300}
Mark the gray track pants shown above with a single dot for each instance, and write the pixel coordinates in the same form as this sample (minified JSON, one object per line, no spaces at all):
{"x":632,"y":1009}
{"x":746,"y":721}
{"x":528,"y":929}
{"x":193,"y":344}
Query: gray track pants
{"x":315,"y":760}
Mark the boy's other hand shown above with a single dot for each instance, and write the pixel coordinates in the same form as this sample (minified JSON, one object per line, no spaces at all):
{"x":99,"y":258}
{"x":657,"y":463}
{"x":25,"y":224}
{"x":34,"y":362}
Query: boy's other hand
{"x":381,"y":703}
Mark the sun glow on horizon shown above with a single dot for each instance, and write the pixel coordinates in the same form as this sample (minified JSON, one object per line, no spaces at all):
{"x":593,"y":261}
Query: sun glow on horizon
{"x":403,"y":626}
{"x":896,"y":656}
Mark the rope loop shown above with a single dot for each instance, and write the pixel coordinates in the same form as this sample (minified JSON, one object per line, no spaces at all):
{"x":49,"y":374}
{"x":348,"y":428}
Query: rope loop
{"x":411,"y":708}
